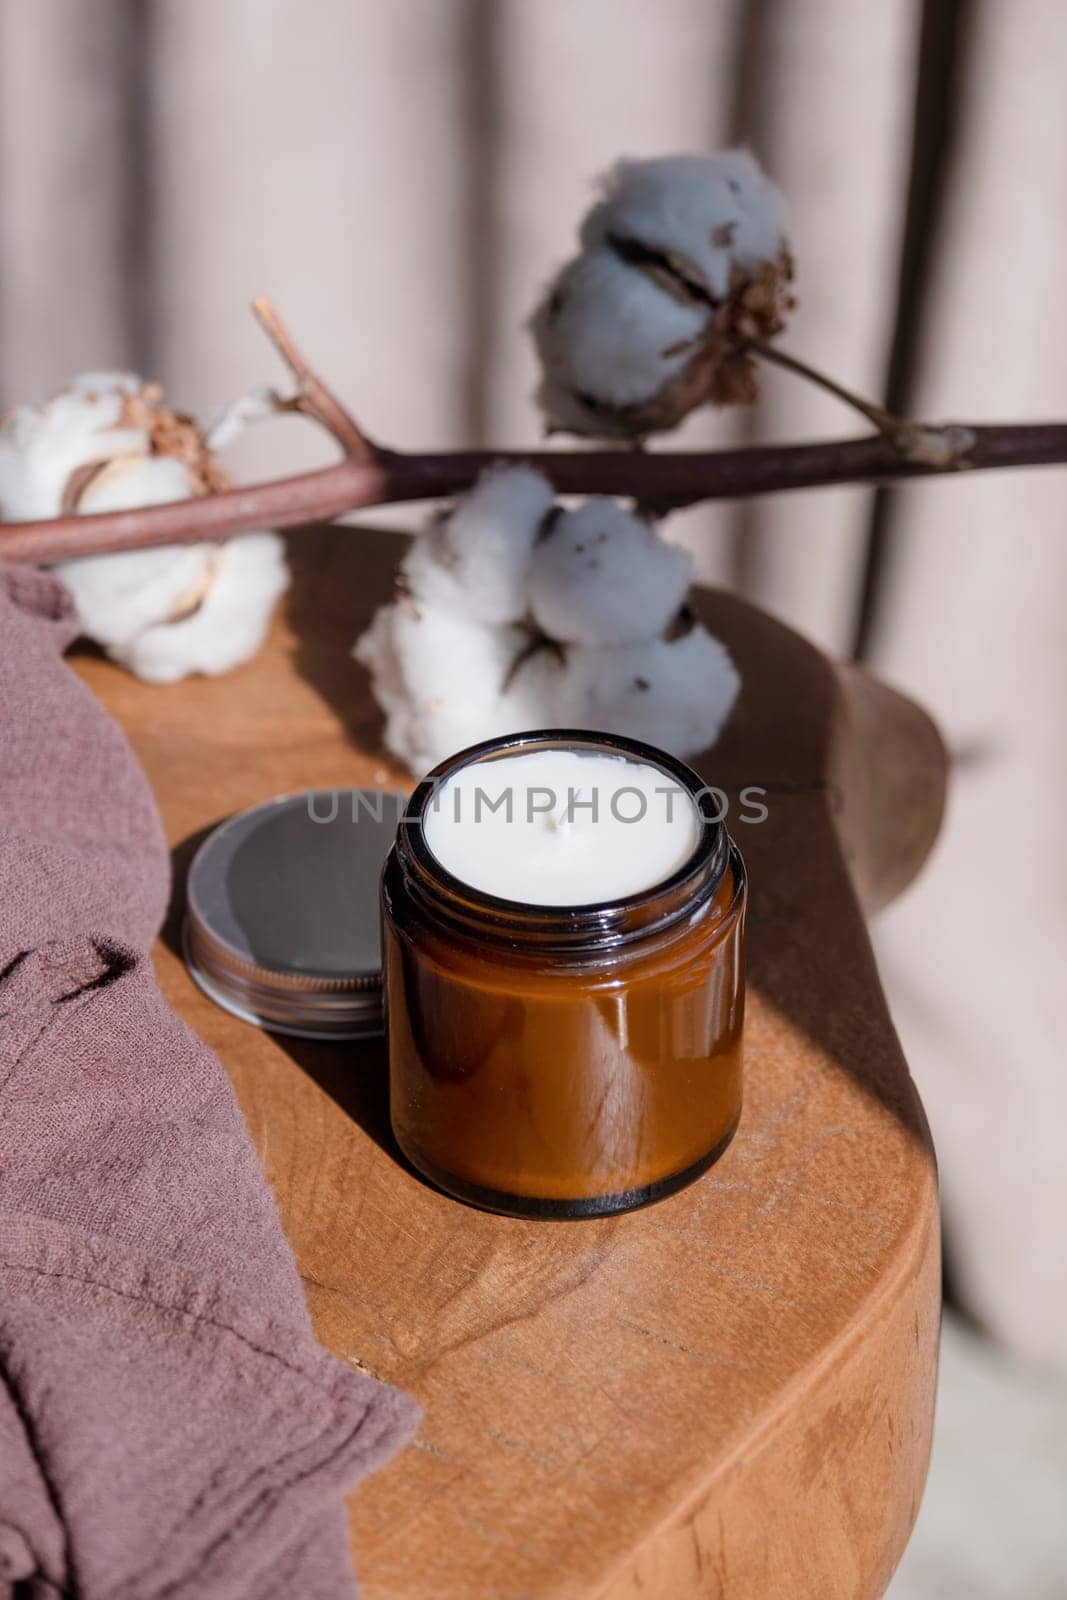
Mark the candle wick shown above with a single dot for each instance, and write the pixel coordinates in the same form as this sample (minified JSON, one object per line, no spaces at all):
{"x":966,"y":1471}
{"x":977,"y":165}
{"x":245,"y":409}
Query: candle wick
{"x":559,"y":821}
{"x":566,"y":818}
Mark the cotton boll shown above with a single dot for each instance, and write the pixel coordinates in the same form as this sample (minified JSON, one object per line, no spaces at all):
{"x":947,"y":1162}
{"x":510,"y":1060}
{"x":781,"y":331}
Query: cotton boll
{"x":684,"y":263}
{"x":226,"y":625}
{"x":602,"y":576}
{"x":535,"y":690}
{"x":696,"y":675}
{"x":476,"y":559}
{"x":128,"y":481}
{"x":605,"y":645}
{"x":119,"y":595}
{"x":41,"y":450}
{"x":456,"y":672}
{"x":109,"y":443}
{"x":675,"y":693}
{"x":710,"y":217}
{"x":439,"y":678}
{"x":180,"y":609}
{"x":99,"y":428}
{"x":612,"y":341}
{"x":377,"y":650}
{"x":532,"y":695}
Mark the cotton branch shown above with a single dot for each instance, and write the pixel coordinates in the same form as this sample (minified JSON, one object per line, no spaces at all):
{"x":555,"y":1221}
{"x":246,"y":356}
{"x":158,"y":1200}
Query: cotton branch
{"x":313,"y":398}
{"x":945,"y":445}
{"x":663,"y":478}
{"x":370,"y":475}
{"x":883,"y":420}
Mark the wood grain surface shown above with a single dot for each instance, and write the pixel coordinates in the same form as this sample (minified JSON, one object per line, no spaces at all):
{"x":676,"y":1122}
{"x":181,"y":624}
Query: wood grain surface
{"x":727,"y":1395}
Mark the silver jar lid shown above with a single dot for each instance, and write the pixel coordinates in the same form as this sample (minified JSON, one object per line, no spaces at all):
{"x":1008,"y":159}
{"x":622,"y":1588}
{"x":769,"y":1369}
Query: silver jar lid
{"x":282,"y":924}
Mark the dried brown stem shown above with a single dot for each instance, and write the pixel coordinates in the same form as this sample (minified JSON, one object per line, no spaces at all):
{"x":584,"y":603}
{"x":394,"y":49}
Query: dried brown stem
{"x":883,"y":420}
{"x":660,"y":477}
{"x":372,"y":476}
{"x":313,"y":397}
{"x":947,"y":445}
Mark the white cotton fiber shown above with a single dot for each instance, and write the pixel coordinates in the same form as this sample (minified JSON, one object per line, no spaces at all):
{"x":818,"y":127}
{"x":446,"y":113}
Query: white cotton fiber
{"x":226,"y":626}
{"x":126,"y":482}
{"x":40,"y":449}
{"x":476,"y":559}
{"x":596,"y":635}
{"x":536,"y":693}
{"x":439,"y":678}
{"x":108,"y":443}
{"x":602,"y":575}
{"x":118,"y":596}
{"x":676,"y":694}
{"x":684,"y":262}
{"x":230,"y":421}
{"x":609,"y":336}
{"x":714,"y":215}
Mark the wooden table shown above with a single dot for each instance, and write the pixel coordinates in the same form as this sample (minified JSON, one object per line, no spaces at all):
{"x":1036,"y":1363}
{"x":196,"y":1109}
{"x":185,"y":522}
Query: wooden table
{"x":729,"y":1394}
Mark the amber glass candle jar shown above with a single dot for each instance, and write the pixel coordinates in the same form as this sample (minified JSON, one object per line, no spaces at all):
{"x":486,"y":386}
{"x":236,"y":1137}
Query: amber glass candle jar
{"x":564,"y":1060}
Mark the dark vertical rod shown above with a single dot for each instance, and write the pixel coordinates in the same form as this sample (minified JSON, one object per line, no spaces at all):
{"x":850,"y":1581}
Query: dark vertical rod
{"x":136,"y":27}
{"x":748,"y":124}
{"x":479,"y":236}
{"x":943,"y":40}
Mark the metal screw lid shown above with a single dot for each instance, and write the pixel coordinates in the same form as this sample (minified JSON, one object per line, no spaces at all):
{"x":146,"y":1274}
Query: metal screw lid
{"x":282,"y":924}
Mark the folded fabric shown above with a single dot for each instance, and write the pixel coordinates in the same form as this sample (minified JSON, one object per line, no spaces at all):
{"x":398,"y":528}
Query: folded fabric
{"x":168,"y":1425}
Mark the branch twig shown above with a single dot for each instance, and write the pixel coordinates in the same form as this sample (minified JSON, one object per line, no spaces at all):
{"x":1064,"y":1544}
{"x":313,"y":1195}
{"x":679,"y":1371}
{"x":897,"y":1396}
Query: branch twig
{"x":664,"y":477}
{"x":370,"y":475}
{"x":313,"y":397}
{"x":883,"y":420}
{"x":931,"y":445}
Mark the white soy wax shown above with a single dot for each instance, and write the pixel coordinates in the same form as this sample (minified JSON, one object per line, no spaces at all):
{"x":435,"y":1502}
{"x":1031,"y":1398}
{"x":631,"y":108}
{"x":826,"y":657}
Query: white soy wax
{"x":562,"y":827}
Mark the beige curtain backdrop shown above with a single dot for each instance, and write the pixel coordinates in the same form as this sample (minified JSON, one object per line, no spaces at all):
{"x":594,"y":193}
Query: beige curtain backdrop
{"x":402,"y":177}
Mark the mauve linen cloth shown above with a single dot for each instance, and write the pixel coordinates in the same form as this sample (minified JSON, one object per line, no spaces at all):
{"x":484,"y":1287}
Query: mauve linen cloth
{"x":168,"y":1425}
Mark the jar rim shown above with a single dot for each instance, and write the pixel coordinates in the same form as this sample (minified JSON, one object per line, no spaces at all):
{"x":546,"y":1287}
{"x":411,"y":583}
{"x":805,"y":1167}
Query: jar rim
{"x":603,"y":921}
